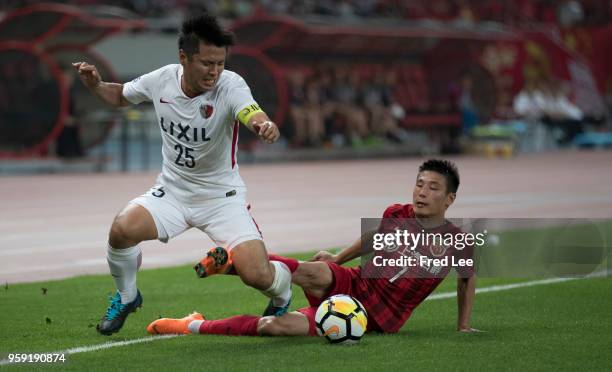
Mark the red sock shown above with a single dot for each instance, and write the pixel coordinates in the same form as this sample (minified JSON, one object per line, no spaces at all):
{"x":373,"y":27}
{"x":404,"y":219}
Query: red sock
{"x":240,"y":325}
{"x":291,"y":263}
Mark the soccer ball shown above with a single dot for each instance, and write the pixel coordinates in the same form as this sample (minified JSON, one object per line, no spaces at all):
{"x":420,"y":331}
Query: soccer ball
{"x":341,"y":319}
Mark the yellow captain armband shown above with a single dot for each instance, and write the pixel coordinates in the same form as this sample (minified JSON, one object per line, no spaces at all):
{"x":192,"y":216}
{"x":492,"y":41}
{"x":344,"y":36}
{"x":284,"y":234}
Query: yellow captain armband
{"x":247,"y":113}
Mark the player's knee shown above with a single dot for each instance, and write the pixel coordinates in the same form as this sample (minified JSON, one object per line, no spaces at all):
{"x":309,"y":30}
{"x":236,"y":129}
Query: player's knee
{"x":271,"y":326}
{"x":300,"y":276}
{"x":121,"y":234}
{"x":131,"y":226}
{"x":311,"y":275}
{"x":118,"y":235}
{"x":252,"y":264}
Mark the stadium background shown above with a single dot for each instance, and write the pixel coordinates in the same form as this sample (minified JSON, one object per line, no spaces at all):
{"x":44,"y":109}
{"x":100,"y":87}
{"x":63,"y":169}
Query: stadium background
{"x":343,"y":80}
{"x":363,"y":91}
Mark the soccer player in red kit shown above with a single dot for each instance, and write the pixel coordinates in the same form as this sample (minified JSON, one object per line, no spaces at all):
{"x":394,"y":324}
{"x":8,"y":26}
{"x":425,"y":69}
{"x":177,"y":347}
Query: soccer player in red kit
{"x":388,"y":293}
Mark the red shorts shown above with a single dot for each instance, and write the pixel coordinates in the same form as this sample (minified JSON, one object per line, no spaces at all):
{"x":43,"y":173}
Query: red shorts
{"x":346,"y":280}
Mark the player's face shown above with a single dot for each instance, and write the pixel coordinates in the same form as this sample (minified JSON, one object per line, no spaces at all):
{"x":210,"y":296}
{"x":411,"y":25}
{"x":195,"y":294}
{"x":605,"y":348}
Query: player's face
{"x":430,"y":198}
{"x":203,"y":69}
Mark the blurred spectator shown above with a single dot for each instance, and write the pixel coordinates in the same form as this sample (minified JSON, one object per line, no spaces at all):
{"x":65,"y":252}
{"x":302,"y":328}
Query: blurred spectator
{"x":516,"y":13}
{"x":570,"y":13}
{"x":344,"y":104}
{"x":68,"y":144}
{"x":558,"y":107}
{"x":560,"y":114}
{"x":305,"y":110}
{"x":349,"y":112}
{"x":297,"y":100}
{"x":466,"y":13}
{"x":469,"y":113}
{"x":525,"y":102}
{"x":315,"y":129}
{"x":519,"y":12}
{"x":378,"y":100}
{"x":547,"y":102}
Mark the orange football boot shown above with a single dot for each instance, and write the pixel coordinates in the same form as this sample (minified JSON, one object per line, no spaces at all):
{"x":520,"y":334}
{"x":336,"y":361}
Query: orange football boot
{"x":169,"y":326}
{"x":216,"y":261}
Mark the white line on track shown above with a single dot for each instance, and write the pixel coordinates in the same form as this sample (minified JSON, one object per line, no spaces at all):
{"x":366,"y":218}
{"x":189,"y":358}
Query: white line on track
{"x":437,"y":296}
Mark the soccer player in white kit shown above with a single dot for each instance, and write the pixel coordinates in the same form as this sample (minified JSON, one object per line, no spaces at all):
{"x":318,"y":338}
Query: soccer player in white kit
{"x":199,"y":106}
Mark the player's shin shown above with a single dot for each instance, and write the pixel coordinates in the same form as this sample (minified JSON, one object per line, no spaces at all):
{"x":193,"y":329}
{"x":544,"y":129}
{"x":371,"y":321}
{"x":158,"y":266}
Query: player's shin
{"x":123,"y":265}
{"x":241,"y":325}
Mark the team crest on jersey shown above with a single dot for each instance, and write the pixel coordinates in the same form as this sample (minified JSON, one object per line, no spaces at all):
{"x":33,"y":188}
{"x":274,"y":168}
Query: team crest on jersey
{"x":206,"y":110}
{"x":437,"y":250}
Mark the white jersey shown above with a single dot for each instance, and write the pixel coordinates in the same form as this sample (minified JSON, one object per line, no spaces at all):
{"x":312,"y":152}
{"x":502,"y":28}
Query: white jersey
{"x":199,"y":134}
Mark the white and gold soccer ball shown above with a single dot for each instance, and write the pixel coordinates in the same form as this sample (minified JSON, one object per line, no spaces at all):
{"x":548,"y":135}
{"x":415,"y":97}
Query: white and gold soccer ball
{"x":341,"y":319}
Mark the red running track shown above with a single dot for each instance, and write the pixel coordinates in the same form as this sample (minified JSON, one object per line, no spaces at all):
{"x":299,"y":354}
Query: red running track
{"x":55,"y":226}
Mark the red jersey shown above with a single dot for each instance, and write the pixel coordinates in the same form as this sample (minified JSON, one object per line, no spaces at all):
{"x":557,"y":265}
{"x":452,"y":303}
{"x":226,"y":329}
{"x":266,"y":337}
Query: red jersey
{"x":392,"y":295}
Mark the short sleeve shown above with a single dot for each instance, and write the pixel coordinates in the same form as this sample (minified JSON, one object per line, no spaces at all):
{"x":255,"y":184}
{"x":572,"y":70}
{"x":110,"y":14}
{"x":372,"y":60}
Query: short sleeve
{"x":388,"y":222}
{"x":140,"y":89}
{"x":239,"y":95}
{"x":392,"y":210}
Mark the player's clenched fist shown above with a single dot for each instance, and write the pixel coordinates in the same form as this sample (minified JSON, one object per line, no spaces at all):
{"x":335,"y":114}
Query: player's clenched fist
{"x":88,"y":73}
{"x":267,"y":131}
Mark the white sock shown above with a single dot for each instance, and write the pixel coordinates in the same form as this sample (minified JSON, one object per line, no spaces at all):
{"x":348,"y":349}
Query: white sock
{"x":194,"y":326}
{"x":124,"y":264}
{"x":280,"y":290}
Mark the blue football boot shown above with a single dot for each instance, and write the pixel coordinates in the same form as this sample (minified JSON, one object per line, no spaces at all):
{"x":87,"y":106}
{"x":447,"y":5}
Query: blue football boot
{"x":276,"y":310}
{"x":116,"y":314}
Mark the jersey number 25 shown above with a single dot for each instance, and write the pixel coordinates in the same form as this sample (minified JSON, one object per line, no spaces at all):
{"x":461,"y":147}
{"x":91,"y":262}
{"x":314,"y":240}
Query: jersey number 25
{"x":184,"y":157}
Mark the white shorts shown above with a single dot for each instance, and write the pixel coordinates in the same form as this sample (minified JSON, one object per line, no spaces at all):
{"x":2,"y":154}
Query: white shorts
{"x":227,"y":221}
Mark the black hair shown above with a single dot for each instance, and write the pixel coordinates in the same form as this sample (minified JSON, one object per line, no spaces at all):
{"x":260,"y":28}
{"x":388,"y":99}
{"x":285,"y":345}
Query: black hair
{"x":446,"y":168}
{"x":205,"y":28}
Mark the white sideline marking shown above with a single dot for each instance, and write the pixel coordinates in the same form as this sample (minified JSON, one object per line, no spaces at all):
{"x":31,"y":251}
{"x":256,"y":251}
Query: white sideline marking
{"x":505,"y":287}
{"x":437,"y":296}
{"x":107,"y":345}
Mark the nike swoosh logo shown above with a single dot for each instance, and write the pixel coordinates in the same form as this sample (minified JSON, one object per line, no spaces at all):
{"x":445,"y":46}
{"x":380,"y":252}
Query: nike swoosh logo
{"x":161,"y":100}
{"x":332,"y":330}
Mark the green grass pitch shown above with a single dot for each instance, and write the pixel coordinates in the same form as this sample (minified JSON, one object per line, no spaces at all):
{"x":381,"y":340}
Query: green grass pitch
{"x":564,"y":326}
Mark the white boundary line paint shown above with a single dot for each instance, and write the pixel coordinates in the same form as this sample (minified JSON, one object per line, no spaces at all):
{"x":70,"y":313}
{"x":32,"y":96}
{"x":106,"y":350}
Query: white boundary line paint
{"x":437,"y":296}
{"x":505,"y":287}
{"x":107,"y":345}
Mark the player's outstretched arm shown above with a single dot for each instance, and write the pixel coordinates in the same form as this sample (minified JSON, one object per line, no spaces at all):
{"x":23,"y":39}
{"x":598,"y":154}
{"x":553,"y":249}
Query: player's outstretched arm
{"x":111,"y":93}
{"x":265,"y":129}
{"x":347,"y":254}
{"x":466,"y":291}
